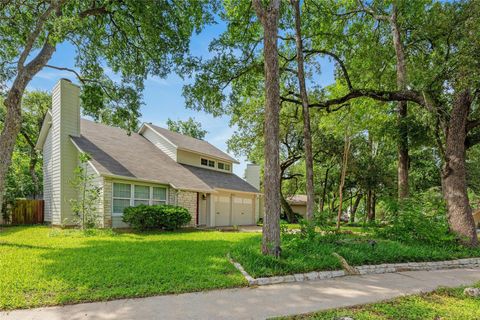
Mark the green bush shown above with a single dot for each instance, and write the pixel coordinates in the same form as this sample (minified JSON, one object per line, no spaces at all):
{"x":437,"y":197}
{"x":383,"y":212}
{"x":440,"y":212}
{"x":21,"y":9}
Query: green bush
{"x":166,"y":217}
{"x":421,"y":218}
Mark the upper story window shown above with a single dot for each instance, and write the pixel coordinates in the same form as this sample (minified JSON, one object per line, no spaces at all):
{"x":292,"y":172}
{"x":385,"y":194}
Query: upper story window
{"x":223,"y":166}
{"x":209,"y":163}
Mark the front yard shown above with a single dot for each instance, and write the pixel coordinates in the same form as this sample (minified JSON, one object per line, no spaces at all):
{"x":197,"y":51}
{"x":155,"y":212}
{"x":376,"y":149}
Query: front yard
{"x":42,"y":266}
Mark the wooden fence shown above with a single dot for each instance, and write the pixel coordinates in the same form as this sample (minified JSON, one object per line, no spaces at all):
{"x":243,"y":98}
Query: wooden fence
{"x":27,"y":212}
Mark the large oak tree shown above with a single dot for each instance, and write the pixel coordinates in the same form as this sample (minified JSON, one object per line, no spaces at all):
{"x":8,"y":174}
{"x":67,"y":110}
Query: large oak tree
{"x":133,"y":38}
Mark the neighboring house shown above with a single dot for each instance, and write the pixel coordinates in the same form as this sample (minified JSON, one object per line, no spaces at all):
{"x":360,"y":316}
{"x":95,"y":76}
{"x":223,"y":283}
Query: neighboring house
{"x":153,"y":166}
{"x":298,"y":203}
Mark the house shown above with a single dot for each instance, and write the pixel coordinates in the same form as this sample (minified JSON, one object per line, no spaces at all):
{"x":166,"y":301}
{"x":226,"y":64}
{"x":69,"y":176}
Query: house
{"x":298,"y":203}
{"x":151,"y":166}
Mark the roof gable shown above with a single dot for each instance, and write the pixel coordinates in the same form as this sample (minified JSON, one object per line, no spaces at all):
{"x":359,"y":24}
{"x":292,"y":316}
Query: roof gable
{"x":187,"y":143}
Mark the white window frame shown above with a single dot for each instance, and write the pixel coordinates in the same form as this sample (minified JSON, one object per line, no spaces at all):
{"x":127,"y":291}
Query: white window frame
{"x":132,"y":195}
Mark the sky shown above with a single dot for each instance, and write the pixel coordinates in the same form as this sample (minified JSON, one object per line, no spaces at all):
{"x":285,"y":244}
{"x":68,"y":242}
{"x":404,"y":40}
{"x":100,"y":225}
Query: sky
{"x":163,"y":97}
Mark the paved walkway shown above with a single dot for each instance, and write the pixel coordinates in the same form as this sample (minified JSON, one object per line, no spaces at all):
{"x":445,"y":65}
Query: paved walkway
{"x":261,"y":302}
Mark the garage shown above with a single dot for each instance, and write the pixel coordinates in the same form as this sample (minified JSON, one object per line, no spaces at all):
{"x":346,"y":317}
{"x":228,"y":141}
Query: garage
{"x":222,"y":210}
{"x":242,"y":210}
{"x":233,"y":209}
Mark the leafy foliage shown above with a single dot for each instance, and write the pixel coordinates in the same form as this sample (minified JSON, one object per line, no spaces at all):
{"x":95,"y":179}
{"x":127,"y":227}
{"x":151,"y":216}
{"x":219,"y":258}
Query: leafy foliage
{"x":419,"y":219}
{"x":144,"y":217}
{"x":85,"y":206}
{"x":188,"y":127}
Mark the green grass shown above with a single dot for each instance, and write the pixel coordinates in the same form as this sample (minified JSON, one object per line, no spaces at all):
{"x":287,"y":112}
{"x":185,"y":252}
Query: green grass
{"x":441,"y":304}
{"x":304,"y":255}
{"x":42,"y":266}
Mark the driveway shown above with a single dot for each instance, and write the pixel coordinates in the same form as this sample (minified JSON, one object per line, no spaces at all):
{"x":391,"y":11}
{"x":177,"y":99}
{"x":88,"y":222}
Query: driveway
{"x":261,"y":302}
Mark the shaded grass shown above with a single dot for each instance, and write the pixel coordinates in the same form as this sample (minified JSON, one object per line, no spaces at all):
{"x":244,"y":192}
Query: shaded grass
{"x":441,"y":304}
{"x":304,"y":255}
{"x":42,"y":266}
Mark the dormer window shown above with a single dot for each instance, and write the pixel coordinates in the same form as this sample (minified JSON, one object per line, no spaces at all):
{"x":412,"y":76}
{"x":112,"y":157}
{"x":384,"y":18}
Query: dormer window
{"x":223,"y":166}
{"x":206,"y":162}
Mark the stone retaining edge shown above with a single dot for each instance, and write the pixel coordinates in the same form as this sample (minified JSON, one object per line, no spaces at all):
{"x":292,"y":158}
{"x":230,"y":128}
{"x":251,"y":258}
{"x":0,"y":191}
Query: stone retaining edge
{"x":362,"y":270}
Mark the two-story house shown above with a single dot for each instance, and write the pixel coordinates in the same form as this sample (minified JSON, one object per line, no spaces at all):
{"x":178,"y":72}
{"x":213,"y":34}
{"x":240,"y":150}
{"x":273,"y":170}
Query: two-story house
{"x":152,"y":166}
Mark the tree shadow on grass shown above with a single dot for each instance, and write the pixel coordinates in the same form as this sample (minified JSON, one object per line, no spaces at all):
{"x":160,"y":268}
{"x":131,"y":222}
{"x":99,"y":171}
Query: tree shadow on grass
{"x":104,"y":269}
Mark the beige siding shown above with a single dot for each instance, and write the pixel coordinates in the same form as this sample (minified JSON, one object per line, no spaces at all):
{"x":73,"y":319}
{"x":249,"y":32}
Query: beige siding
{"x":188,"y":200}
{"x":47,"y":177}
{"x":98,"y":182}
{"x":160,"y":142}
{"x":194,"y":159}
{"x":65,"y":123}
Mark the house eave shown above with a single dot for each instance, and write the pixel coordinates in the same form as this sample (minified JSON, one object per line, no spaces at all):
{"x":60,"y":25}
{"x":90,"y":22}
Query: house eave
{"x":42,"y":136}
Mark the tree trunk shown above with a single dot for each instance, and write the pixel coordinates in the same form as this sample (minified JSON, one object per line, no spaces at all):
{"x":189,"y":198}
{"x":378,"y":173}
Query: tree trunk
{"x":370,"y":206}
{"x":454,"y":179}
{"x":269,"y":16}
{"x":13,"y":117}
{"x":287,"y":209}
{"x":355,"y":207}
{"x":321,"y":204}
{"x":11,"y":128}
{"x":307,"y":135}
{"x":402,"y":167}
{"x":346,"y":149}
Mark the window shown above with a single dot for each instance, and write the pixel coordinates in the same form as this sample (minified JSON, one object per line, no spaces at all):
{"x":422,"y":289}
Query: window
{"x":223,"y":166}
{"x":142,"y":195}
{"x":159,"y":195}
{"x":121,"y":197}
{"x":126,"y":195}
{"x":211,"y":163}
{"x":204,"y":162}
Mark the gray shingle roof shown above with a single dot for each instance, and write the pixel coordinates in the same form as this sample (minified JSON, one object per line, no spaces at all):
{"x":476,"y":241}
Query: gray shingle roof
{"x":114,"y":153}
{"x":221,"y":180}
{"x":191,"y":144}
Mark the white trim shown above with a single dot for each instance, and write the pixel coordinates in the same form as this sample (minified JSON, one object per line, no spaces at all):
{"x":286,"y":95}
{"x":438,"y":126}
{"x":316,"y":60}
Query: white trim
{"x":161,"y":135}
{"x":132,"y":195}
{"x":42,"y":136}
{"x":237,"y":191}
{"x":89,"y":162}
{"x":233,"y":160}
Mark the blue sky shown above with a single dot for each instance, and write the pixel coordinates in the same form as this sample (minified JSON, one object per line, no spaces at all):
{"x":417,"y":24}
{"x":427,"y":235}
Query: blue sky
{"x":163,"y":97}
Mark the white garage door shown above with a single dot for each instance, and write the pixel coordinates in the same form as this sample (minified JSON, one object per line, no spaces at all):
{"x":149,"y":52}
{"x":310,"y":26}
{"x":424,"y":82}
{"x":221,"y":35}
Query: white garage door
{"x":222,"y":210}
{"x":242,"y":210}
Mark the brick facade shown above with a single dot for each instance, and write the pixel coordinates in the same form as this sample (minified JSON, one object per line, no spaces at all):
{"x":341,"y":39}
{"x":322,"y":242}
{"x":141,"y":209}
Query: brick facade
{"x":188,"y":200}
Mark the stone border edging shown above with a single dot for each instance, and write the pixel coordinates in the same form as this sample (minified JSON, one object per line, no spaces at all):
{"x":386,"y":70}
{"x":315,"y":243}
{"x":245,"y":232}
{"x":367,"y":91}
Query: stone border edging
{"x":362,"y":270}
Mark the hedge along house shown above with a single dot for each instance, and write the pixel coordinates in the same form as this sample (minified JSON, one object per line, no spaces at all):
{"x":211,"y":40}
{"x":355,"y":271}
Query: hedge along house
{"x":153,"y":166}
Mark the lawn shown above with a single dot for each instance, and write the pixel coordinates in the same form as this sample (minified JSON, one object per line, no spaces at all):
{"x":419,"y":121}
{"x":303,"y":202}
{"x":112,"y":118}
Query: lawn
{"x":42,"y":266}
{"x":304,"y":255}
{"x":449,"y":304}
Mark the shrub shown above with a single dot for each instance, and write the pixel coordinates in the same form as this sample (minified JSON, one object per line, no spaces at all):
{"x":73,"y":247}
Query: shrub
{"x":166,"y":217}
{"x":421,"y":218}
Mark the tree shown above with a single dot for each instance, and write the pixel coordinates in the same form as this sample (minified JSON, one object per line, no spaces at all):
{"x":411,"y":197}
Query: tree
{"x":85,"y":207}
{"x":444,"y":81}
{"x":307,"y":136}
{"x":188,"y":127}
{"x":24,"y":177}
{"x":130,"y":37}
{"x":401,"y":75}
{"x":269,"y":17}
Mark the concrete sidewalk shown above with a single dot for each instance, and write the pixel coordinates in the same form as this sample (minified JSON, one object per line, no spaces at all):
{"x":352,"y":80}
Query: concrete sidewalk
{"x":261,"y":302}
